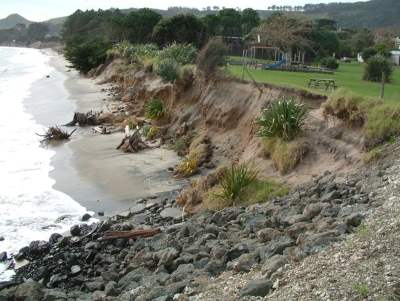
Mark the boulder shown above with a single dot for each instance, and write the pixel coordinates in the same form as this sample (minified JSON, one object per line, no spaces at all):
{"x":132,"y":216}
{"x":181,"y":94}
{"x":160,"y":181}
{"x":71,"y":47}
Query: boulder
{"x":272,"y":264}
{"x":257,"y":288}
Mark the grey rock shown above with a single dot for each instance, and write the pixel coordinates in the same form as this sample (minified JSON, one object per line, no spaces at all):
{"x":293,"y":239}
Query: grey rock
{"x":55,"y":238}
{"x":272,"y":264}
{"x":166,"y":256}
{"x":75,"y":230}
{"x":295,"y":230}
{"x":3,"y":256}
{"x":276,"y":246}
{"x":54,"y":295}
{"x":111,"y":289}
{"x":236,"y":251}
{"x":244,"y":263}
{"x":354,"y":220}
{"x":97,"y":296}
{"x":215,"y":267}
{"x":327,"y":197}
{"x":312,"y":210}
{"x":267,"y":234}
{"x":174,"y":213}
{"x":86,"y":217}
{"x":2,"y":238}
{"x":256,"y":288}
{"x":28,"y":291}
{"x":75,"y":270}
{"x":94,"y":286}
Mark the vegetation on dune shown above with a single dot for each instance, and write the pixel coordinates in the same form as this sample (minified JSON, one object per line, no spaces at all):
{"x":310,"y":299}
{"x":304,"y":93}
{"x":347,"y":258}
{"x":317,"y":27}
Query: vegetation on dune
{"x":168,"y":70}
{"x":183,"y":54}
{"x":240,"y":184}
{"x":154,"y":109}
{"x":212,"y":56}
{"x":282,"y":118}
{"x":379,"y":121}
{"x":189,"y":166}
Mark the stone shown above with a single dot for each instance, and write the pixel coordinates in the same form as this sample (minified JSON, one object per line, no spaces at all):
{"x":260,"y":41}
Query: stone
{"x":54,"y":295}
{"x":111,"y":289}
{"x":75,"y":230}
{"x":244,"y":263}
{"x":54,"y":238}
{"x":267,"y":234}
{"x":236,"y":251}
{"x":295,"y":230}
{"x":75,"y":270}
{"x":256,"y":288}
{"x":215,"y":267}
{"x":327,"y":197}
{"x":272,"y":264}
{"x":276,"y":246}
{"x":94,"y":286}
{"x":38,"y":247}
{"x":312,"y":210}
{"x":1,"y":238}
{"x":174,"y":213}
{"x":3,"y":256}
{"x":354,"y":220}
{"x":166,"y":256}
{"x":86,"y":217}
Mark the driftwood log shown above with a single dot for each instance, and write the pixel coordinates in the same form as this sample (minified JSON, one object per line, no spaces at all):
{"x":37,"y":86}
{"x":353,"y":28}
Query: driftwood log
{"x":54,"y":133}
{"x":89,"y":118}
{"x":133,"y":143}
{"x":110,"y":235}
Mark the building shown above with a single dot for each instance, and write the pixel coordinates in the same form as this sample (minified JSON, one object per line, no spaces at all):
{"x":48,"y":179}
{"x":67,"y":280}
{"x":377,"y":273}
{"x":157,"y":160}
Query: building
{"x":395,"y":57}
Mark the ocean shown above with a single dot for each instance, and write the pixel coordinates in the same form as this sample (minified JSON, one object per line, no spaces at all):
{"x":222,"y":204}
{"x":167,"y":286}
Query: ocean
{"x":30,"y":208}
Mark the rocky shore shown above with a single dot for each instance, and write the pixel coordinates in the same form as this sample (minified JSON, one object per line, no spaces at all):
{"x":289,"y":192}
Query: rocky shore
{"x":189,"y":252}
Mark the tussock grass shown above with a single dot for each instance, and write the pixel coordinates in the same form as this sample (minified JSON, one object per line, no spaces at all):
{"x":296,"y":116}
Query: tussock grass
{"x":380,"y":121}
{"x":373,"y":155}
{"x":283,"y":118}
{"x":154,"y":109}
{"x":285,"y":155}
{"x":189,"y":166}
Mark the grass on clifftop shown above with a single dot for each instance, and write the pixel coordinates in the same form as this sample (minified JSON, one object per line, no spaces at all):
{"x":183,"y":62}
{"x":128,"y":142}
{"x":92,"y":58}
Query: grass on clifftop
{"x":348,"y":76}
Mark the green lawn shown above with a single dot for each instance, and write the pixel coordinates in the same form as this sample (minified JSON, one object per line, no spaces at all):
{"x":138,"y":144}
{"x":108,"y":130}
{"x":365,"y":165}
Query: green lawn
{"x":348,"y":77}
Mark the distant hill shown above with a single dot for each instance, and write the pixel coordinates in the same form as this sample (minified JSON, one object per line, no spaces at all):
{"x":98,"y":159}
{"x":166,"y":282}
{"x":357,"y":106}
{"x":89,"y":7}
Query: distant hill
{"x":371,"y":14}
{"x":12,"y":20}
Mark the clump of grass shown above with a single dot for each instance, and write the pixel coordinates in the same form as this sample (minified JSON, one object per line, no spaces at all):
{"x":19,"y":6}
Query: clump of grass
{"x":380,"y":121}
{"x":373,"y":155}
{"x":361,"y":290}
{"x":150,"y":132}
{"x":283,"y":118}
{"x":285,"y":155}
{"x":235,"y":179}
{"x":189,"y":166}
{"x":154,"y":109}
{"x":181,"y":145}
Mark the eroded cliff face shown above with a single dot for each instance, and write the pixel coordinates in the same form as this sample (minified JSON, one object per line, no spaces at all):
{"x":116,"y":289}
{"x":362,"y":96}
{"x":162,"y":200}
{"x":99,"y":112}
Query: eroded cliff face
{"x":225,"y":110}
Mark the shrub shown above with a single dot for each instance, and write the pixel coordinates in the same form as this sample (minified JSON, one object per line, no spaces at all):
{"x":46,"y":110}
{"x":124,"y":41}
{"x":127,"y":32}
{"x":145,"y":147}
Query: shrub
{"x":183,"y":54}
{"x":376,"y":67}
{"x":85,"y":55}
{"x":367,"y":53}
{"x":154,"y":109}
{"x":212,"y":56}
{"x":285,"y":155}
{"x":186,"y":75}
{"x":330,"y":62}
{"x":234,"y":180}
{"x":150,"y":132}
{"x":372,"y":155}
{"x":283,"y":118}
{"x":134,"y":53}
{"x":168,"y":70}
{"x":189,"y":166}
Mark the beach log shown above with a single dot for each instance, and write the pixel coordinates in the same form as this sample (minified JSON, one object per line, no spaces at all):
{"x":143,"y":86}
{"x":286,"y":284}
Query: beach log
{"x":130,"y":234}
{"x":133,"y":143}
{"x":89,"y":118}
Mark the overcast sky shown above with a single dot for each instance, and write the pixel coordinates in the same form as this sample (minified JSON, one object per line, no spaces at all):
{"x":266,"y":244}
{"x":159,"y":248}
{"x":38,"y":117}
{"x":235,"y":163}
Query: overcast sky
{"x":40,"y":10}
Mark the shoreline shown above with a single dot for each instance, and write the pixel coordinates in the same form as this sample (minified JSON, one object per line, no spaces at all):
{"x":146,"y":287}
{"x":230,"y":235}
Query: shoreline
{"x":83,"y":165}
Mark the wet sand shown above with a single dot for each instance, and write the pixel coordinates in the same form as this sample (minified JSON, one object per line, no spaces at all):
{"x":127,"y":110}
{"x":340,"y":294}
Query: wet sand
{"x":89,"y":168}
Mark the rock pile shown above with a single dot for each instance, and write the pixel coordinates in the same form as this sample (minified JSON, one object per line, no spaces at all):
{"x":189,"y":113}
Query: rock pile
{"x":181,"y":259}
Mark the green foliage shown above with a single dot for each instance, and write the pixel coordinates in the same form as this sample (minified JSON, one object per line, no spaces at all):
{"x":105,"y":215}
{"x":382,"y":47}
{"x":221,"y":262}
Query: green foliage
{"x":329,"y":62}
{"x":180,"y":29}
{"x":367,"y":53}
{"x":362,"y":290}
{"x":86,"y":54}
{"x":134,"y":53}
{"x":183,"y":54}
{"x":168,"y":69}
{"x":373,"y":155}
{"x":235,"y":180}
{"x":325,"y":43}
{"x":283,"y":118}
{"x":249,"y":19}
{"x":212,"y":56}
{"x":138,"y":25}
{"x":154,"y":109}
{"x":376,"y":67}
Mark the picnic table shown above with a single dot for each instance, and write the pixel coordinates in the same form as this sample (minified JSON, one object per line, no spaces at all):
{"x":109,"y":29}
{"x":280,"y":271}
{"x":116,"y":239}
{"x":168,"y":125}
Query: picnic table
{"x":322,"y":83}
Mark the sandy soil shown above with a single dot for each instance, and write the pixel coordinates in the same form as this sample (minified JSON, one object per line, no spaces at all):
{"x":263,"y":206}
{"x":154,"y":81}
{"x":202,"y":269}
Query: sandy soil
{"x":89,"y":168}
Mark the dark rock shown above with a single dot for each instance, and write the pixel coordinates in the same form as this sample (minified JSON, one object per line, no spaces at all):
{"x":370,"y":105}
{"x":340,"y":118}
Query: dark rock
{"x":244,"y":263}
{"x":327,"y":197}
{"x":3,"y":256}
{"x":166,"y":256}
{"x":111,"y":289}
{"x":56,"y":279}
{"x":1,"y":238}
{"x":256,"y":288}
{"x":276,"y":246}
{"x":295,"y":230}
{"x":75,"y":230}
{"x":267,"y":234}
{"x":86,"y":217}
{"x":236,"y":251}
{"x":215,"y":267}
{"x":54,"y":295}
{"x":94,"y":286}
{"x":38,"y":247}
{"x":354,"y":220}
{"x":272,"y":264}
{"x":312,"y":210}
{"x":100,"y":213}
{"x":54,"y":238}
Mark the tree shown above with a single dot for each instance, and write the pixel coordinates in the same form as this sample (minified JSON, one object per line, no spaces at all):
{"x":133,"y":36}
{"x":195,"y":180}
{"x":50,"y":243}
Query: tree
{"x":325,"y":43}
{"x":250,"y":19}
{"x":285,"y":32}
{"x":212,"y":56}
{"x":180,"y":29}
{"x":37,"y":31}
{"x":376,"y":67}
{"x":230,"y":22}
{"x":367,"y":53}
{"x":361,"y":39}
{"x":140,"y":25}
{"x":212,"y":25}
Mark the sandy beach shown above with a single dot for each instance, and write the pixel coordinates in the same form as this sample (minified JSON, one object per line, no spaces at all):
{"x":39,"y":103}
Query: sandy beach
{"x":89,"y":168}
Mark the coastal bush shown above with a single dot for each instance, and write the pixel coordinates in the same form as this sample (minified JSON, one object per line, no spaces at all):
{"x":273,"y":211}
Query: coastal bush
{"x":212,"y":56}
{"x":376,"y":67}
{"x":168,"y":70}
{"x":283,"y":118}
{"x":134,"y":53}
{"x":84,"y":54}
{"x":181,"y":145}
{"x":183,"y":54}
{"x":329,"y":62}
{"x":189,"y":166}
{"x":154,"y":109}
{"x":286,"y":155}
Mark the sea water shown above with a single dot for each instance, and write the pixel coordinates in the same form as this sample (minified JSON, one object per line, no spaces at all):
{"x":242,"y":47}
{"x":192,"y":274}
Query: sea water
{"x":30,"y":209}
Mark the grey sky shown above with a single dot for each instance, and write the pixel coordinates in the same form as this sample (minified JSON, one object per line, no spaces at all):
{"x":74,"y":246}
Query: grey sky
{"x":40,"y":10}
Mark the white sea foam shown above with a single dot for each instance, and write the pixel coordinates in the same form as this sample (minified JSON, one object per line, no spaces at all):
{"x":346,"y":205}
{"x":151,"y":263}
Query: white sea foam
{"x":29,"y":206}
